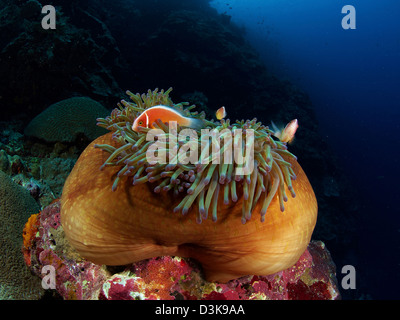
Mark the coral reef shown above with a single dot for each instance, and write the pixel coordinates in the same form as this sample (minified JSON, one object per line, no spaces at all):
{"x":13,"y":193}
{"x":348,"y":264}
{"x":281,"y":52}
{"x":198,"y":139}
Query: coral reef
{"x":179,"y":43}
{"x":168,"y":278}
{"x":16,"y":205}
{"x":41,"y":162}
{"x":44,"y":246}
{"x":65,"y":120}
{"x":33,"y":76}
{"x":36,"y":165}
{"x":247,"y":231}
{"x":162,"y":44}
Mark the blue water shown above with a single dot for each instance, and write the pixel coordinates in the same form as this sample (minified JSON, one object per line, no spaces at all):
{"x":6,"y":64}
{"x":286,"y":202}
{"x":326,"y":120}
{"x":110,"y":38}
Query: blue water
{"x":353,"y":79}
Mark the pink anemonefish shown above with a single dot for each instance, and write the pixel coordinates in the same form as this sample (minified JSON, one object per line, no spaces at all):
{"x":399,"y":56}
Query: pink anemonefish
{"x":286,"y":134}
{"x":165,"y":114}
{"x":221,"y":113}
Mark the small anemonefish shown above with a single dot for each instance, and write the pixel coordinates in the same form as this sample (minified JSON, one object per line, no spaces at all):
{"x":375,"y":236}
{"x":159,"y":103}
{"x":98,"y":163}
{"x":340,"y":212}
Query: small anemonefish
{"x":165,"y":114}
{"x":221,"y":113}
{"x":286,"y":134}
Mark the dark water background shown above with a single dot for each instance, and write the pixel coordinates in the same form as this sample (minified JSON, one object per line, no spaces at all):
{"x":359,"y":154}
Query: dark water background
{"x":353,"y":79}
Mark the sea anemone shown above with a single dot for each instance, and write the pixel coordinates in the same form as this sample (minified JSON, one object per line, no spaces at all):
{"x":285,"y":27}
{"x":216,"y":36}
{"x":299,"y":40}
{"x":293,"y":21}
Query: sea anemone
{"x":202,"y":181}
{"x":118,"y":207}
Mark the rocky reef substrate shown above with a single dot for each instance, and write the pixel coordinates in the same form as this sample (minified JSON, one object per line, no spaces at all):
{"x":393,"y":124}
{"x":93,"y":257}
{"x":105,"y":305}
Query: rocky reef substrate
{"x":48,"y":255}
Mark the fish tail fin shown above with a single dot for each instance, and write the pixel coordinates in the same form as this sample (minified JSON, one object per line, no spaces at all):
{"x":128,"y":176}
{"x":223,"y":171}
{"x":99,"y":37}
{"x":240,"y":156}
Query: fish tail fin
{"x":277,"y":132}
{"x":196,"y":124}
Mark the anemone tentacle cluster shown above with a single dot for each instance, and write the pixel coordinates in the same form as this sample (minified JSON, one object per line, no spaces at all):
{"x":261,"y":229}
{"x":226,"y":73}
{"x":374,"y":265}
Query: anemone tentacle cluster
{"x":204,"y":182}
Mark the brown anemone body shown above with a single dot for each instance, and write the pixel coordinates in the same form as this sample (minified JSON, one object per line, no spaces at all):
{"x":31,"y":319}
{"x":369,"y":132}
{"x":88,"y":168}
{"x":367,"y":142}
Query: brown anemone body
{"x":133,"y":223}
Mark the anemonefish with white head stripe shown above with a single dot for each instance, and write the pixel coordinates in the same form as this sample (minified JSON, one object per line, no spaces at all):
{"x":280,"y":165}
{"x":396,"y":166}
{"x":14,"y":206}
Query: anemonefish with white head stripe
{"x":221,"y":113}
{"x":286,"y":134}
{"x":165,"y":114}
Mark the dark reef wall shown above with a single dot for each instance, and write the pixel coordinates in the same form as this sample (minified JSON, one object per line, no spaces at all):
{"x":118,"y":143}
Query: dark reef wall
{"x":39,"y":67}
{"x":102,"y":48}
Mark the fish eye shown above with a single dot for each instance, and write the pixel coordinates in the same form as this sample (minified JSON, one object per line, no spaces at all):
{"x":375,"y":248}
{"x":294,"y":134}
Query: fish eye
{"x":140,"y":123}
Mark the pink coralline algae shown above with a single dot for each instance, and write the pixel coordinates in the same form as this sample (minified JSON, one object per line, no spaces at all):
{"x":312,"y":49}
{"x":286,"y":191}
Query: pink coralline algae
{"x":170,"y":278}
